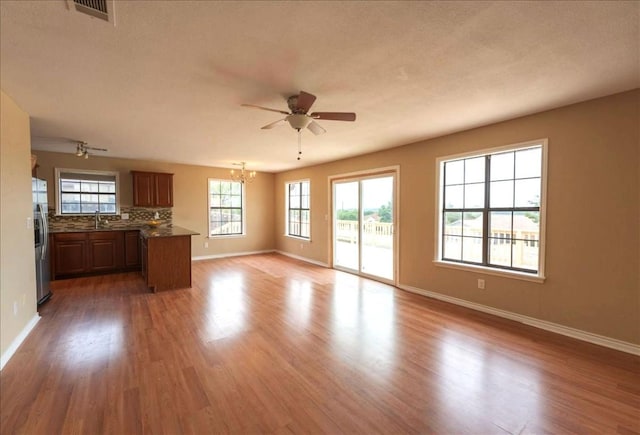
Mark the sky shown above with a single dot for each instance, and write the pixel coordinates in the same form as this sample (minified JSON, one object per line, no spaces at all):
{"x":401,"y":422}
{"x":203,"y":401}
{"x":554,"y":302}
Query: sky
{"x":375,"y":192}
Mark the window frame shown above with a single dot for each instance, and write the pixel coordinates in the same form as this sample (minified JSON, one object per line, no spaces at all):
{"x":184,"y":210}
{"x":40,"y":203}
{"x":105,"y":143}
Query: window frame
{"x":59,"y":172}
{"x":288,"y":209}
{"x":242,"y":208}
{"x":506,"y":271}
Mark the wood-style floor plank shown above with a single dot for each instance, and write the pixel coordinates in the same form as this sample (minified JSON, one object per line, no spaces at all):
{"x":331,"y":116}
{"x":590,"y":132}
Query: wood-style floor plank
{"x":266,"y":343}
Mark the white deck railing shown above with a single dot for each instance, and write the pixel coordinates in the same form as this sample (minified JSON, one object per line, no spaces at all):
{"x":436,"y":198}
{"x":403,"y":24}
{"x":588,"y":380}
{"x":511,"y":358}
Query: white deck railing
{"x":373,"y":233}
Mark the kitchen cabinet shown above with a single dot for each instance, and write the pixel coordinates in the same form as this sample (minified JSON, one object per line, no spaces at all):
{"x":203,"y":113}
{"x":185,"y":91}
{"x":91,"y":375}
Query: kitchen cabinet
{"x":132,"y":249}
{"x":152,"y":189}
{"x":163,"y":184}
{"x":69,"y":252}
{"x":105,"y":251}
{"x":166,"y":258}
{"x":94,"y":252}
{"x":144,"y":248}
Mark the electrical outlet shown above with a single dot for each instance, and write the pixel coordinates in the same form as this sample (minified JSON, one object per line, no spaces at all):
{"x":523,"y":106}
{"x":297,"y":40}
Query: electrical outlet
{"x":15,"y":308}
{"x":206,"y":244}
{"x":124,"y":216}
{"x":29,"y":223}
{"x":481,"y":284}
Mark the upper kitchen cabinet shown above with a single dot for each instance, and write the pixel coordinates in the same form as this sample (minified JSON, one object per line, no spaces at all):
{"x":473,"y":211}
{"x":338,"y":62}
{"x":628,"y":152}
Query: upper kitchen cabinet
{"x":152,"y":189}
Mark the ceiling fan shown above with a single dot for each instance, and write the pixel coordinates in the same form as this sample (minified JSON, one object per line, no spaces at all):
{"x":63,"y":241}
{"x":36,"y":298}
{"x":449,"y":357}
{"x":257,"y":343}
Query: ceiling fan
{"x":298,"y":116}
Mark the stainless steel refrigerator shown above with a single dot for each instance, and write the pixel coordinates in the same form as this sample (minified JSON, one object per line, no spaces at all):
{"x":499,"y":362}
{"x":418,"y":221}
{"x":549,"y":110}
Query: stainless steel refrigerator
{"x":41,"y":235}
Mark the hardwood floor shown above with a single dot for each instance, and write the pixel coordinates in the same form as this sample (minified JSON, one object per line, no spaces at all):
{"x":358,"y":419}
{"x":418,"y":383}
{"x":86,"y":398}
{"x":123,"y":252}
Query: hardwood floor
{"x":269,"y":344}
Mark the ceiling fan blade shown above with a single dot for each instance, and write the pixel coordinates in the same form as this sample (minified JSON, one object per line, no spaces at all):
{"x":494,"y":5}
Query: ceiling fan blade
{"x":265,"y":108}
{"x":316,"y":128}
{"x":305,"y":101}
{"x":334,"y":116}
{"x":273,"y":124}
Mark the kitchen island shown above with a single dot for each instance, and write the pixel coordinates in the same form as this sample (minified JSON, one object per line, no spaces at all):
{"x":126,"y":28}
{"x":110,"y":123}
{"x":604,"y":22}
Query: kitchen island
{"x":166,"y":257}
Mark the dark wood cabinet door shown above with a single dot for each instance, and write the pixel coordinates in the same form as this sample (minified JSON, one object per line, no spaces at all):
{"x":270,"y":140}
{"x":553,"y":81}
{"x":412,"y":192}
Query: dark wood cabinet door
{"x":163,"y":190}
{"x":144,"y":259}
{"x":70,"y":256}
{"x":143,"y":189}
{"x":152,"y":189}
{"x":105,"y":251}
{"x":132,"y":249}
{"x":102,"y":254}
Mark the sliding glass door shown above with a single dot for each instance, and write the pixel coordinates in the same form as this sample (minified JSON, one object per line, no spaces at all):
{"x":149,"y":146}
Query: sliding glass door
{"x":346,"y":234}
{"x":363,"y":226}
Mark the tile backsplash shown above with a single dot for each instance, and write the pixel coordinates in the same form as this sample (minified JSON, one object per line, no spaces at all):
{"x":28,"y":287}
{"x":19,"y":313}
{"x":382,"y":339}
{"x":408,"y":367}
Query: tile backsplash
{"x":138,"y":217}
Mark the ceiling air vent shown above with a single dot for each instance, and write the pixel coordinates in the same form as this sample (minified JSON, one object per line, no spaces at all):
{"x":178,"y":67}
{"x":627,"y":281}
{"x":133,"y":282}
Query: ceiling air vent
{"x":102,"y":9}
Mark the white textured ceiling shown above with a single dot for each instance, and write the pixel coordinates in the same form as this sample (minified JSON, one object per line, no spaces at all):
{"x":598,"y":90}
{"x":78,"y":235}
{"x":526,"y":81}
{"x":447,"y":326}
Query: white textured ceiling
{"x":166,"y":82}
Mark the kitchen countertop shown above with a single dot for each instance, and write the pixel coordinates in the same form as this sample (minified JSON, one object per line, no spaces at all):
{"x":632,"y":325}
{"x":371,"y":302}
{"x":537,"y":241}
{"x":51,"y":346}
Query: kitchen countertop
{"x":172,"y":231}
{"x":94,"y":230}
{"x":145,"y":231}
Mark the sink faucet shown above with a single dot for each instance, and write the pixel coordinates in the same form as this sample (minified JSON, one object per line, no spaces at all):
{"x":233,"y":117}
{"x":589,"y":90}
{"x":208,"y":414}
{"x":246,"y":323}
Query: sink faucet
{"x":98,"y":219}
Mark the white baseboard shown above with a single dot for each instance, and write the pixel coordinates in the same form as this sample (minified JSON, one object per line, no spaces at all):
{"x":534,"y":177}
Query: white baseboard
{"x":15,"y":344}
{"x":268,"y":251}
{"x":298,"y":257}
{"x":230,"y":254}
{"x":579,"y":334}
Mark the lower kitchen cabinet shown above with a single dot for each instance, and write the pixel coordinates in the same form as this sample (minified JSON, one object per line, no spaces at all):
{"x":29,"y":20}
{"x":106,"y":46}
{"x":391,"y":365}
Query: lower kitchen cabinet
{"x":105,"y":251}
{"x":144,"y":260}
{"x":132,"y":249}
{"x":69,"y":251}
{"x":166,"y":258}
{"x":93,"y":252}
{"x":166,"y":262}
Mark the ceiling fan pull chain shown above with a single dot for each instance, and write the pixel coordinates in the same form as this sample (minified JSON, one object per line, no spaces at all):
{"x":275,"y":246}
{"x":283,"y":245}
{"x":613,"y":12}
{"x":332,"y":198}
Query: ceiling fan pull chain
{"x":299,"y":144}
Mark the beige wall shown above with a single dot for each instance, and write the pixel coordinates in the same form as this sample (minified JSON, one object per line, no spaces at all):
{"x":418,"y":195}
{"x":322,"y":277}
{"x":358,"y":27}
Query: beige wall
{"x":190,"y":198}
{"x":593,"y":209}
{"x":593,"y":236}
{"x":17,"y":254}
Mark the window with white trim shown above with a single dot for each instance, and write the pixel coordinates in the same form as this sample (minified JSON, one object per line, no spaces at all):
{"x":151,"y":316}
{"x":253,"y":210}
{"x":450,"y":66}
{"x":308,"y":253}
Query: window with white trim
{"x":226,"y":208}
{"x":81,"y":192}
{"x":298,"y":219}
{"x":491,"y":208}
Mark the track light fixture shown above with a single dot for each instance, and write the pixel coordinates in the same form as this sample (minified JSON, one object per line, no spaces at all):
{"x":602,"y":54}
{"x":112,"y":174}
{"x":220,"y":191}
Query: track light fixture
{"x":82,"y":149}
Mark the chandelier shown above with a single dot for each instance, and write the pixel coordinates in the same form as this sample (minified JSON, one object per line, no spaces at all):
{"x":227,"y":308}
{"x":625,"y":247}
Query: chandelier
{"x":243,"y":176}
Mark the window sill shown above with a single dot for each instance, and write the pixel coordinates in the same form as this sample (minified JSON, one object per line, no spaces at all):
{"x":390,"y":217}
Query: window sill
{"x":226,"y":236}
{"x":102,"y":214}
{"x":490,"y":271}
{"x":302,"y":239}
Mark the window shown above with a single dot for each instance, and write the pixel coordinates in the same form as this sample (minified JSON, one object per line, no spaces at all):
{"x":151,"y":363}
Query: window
{"x":85,"y":192}
{"x":226,"y":208}
{"x":298,"y":209}
{"x":490,"y":211}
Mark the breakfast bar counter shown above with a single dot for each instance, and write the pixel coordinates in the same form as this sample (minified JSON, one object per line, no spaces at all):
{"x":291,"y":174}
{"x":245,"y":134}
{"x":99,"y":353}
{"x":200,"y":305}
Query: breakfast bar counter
{"x":166,"y":257}
{"x":172,"y":231}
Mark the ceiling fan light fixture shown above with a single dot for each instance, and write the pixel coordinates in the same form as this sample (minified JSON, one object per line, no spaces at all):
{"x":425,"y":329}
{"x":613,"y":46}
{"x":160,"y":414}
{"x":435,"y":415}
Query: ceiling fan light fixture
{"x":299,"y":117}
{"x":80,"y":150}
{"x":298,"y":121}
